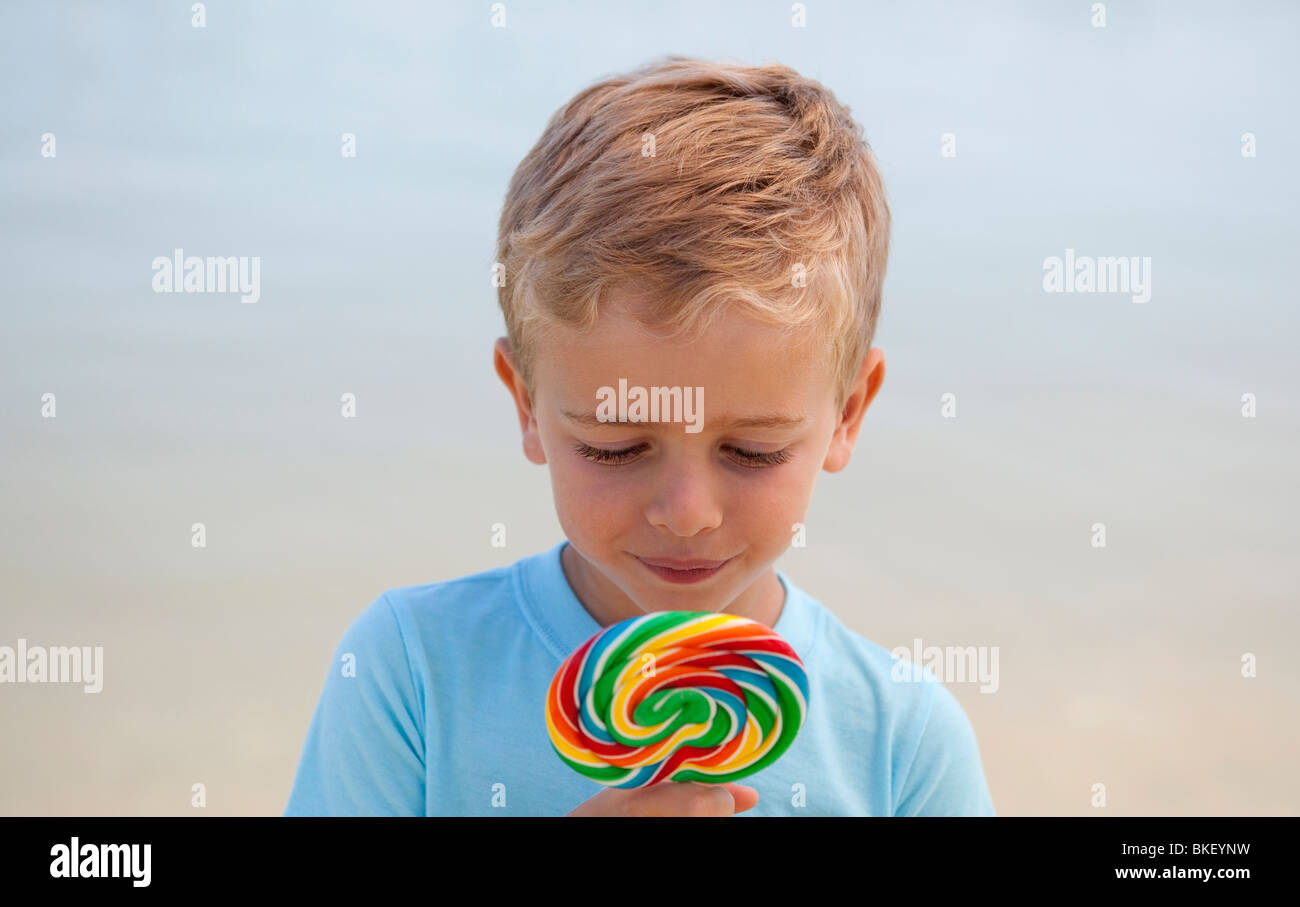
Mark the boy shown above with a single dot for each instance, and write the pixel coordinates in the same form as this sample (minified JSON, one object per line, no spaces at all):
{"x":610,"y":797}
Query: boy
{"x":715,"y":234}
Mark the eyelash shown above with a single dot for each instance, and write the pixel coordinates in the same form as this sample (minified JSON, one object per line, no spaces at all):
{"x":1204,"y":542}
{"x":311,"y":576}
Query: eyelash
{"x":748,"y":459}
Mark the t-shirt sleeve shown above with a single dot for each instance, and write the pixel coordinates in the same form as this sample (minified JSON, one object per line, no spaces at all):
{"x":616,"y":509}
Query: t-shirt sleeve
{"x":364,"y":753}
{"x":945,"y":776}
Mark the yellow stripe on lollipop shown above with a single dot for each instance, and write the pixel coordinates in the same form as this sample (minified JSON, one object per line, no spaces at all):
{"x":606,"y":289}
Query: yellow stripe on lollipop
{"x":620,"y":716}
{"x":689,"y":629}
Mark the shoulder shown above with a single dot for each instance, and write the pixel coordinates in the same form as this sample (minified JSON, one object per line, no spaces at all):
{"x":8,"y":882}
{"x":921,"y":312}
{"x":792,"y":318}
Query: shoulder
{"x":935,"y":764}
{"x":411,"y":610}
{"x":403,"y":623}
{"x":944,"y":774}
{"x":898,"y":687}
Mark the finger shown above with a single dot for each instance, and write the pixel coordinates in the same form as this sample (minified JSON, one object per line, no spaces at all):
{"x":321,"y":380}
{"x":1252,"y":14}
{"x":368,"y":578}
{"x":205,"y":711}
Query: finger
{"x":745,"y":797}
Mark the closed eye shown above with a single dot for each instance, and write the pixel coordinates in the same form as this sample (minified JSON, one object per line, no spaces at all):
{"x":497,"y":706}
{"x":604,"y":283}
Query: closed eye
{"x":749,"y":459}
{"x":611,"y":457}
{"x":753,"y":458}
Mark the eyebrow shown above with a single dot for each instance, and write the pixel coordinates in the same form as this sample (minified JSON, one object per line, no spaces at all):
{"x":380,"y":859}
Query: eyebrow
{"x":770,"y":420}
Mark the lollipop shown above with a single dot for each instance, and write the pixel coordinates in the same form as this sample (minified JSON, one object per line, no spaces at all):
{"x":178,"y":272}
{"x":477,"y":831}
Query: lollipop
{"x":677,"y":696}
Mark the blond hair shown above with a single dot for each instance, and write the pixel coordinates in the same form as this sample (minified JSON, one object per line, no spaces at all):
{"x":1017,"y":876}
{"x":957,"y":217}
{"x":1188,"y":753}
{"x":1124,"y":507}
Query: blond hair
{"x":702,"y":184}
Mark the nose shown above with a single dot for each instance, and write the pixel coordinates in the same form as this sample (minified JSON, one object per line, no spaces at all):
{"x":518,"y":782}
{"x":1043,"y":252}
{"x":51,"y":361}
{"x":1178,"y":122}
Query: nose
{"x":684,"y":501}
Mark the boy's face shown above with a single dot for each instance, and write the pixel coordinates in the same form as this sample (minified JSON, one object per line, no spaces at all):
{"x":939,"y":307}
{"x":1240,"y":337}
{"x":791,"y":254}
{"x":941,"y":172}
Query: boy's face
{"x":729,"y":492}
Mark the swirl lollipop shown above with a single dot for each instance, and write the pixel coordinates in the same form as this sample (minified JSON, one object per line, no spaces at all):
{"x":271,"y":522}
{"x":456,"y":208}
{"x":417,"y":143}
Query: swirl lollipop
{"x":678,"y":696}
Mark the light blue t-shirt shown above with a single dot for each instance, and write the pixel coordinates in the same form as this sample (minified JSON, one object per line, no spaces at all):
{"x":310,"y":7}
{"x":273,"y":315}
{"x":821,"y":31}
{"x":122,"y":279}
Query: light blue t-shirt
{"x":434,"y":704}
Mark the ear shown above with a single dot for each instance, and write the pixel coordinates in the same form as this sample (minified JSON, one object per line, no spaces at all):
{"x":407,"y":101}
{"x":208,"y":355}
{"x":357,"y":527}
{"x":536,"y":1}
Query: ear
{"x":864,"y":390}
{"x":514,"y":383}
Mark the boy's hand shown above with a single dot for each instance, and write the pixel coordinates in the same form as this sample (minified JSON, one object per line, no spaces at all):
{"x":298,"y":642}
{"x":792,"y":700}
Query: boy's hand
{"x":671,"y":798}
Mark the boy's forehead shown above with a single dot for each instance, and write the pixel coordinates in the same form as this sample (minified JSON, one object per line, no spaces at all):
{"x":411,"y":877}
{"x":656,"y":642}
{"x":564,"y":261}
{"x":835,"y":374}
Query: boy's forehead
{"x":744,"y":365}
{"x":622,"y":328}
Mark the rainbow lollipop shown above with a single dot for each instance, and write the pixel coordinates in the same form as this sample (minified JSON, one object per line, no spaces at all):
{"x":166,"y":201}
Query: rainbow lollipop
{"x":677,"y":696}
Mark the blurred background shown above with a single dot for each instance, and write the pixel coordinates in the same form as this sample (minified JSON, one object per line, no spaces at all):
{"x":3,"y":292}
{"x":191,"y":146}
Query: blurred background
{"x":1118,"y":665}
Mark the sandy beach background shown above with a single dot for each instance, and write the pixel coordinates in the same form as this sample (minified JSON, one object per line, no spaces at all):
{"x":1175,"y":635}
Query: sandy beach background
{"x":1119,"y":666}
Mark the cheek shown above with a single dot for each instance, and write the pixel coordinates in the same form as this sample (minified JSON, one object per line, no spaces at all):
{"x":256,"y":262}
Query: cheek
{"x":768,"y":509}
{"x":773,"y":529}
{"x":591,"y":503}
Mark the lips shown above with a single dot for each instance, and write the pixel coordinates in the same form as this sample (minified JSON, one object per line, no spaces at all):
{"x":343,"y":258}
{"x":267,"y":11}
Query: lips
{"x":683,"y":570}
{"x":676,"y":563}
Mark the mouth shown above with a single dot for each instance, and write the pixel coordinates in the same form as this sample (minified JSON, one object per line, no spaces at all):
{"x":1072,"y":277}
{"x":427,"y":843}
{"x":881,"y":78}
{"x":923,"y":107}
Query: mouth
{"x":683,"y":570}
